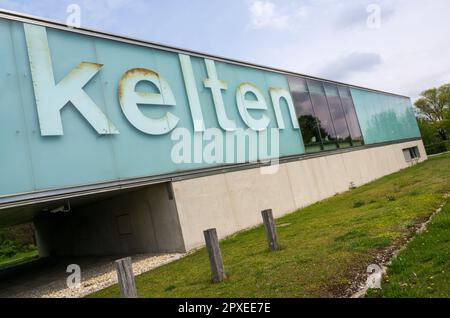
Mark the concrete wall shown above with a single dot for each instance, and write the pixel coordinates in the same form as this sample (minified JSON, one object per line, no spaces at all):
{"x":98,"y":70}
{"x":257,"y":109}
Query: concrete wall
{"x":232,"y":201}
{"x":156,"y":220}
{"x":143,"y":221}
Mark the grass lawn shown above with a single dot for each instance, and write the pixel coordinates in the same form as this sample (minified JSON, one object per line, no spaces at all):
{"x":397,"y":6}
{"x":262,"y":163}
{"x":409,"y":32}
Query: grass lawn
{"x":19,"y":257}
{"x":323,"y":245}
{"x":423,"y":268}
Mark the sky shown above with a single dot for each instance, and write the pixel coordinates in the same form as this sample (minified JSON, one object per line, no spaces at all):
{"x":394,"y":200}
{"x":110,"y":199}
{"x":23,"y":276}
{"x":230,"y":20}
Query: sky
{"x":399,"y":46}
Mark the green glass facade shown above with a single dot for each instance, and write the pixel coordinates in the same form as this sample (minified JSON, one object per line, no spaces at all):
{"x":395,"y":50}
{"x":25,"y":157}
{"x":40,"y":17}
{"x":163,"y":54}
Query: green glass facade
{"x":90,"y":129}
{"x":384,"y":117}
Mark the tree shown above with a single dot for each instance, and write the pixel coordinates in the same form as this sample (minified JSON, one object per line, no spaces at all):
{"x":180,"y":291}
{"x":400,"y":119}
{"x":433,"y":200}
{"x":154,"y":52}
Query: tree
{"x":433,"y":109}
{"x":433,"y":104}
{"x":428,"y":130}
{"x":311,"y":126}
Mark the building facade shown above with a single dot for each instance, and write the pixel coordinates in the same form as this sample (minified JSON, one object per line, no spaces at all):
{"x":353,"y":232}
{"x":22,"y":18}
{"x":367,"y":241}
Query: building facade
{"x":113,"y":145}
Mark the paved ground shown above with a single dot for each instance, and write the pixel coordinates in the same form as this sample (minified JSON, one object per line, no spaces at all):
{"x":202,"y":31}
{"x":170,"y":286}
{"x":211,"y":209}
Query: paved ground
{"x":47,"y":278}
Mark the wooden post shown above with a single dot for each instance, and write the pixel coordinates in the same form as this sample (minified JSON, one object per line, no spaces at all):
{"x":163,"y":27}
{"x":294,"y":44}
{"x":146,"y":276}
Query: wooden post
{"x":125,"y":277}
{"x":271,"y":231}
{"x":215,"y":257}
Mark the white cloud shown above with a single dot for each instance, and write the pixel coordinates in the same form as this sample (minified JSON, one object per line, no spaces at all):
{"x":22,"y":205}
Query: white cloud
{"x":356,"y":62}
{"x":102,"y":10}
{"x":265,"y":14}
{"x":411,"y":41}
{"x":314,"y":37}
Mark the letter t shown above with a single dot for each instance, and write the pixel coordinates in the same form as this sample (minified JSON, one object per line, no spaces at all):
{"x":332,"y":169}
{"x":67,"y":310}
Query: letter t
{"x":216,"y":87}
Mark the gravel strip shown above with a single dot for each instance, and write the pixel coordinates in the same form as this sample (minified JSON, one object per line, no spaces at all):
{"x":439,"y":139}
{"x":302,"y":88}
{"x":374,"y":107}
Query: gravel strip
{"x":96,"y":275}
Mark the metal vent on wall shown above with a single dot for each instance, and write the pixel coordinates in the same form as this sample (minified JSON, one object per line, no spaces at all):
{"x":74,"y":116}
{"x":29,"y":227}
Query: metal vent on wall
{"x":124,"y":224}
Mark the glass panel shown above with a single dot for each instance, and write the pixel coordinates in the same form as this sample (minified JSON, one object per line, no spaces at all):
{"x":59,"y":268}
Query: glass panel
{"x":320,"y":106}
{"x":350,"y":116}
{"x":305,"y":114}
{"x":382,"y":118}
{"x":338,"y":116}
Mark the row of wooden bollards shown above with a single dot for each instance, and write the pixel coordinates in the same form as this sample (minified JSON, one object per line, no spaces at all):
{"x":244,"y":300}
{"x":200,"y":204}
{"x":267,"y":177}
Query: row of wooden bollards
{"x":124,"y":267}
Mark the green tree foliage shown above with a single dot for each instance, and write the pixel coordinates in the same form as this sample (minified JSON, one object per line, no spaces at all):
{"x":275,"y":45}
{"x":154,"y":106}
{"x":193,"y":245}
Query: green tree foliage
{"x":309,"y":125}
{"x":434,"y":103}
{"x":433,"y":112}
{"x":22,"y":234}
{"x":15,"y":242}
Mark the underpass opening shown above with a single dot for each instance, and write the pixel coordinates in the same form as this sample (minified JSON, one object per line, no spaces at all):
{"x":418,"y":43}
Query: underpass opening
{"x":126,"y":222}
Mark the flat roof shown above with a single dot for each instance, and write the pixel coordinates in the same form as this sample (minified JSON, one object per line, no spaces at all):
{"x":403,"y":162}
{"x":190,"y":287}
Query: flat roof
{"x":16,"y":16}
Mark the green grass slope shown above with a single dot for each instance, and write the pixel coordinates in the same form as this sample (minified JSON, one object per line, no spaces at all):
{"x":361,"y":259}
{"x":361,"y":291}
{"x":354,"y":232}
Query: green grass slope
{"x":323,"y":245}
{"x":423,"y":268}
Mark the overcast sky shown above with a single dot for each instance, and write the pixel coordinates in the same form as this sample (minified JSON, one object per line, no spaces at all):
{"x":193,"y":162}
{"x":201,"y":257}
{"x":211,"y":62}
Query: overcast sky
{"x":401,"y":46}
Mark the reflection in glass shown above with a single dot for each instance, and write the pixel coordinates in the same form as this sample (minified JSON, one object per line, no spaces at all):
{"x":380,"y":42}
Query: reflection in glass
{"x":337,"y":115}
{"x":305,"y":114}
{"x":326,"y":114}
{"x":320,"y":106}
{"x":350,"y":115}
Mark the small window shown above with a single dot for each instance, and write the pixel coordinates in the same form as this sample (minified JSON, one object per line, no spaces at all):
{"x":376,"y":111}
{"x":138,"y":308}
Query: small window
{"x":411,"y":153}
